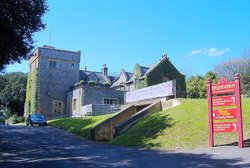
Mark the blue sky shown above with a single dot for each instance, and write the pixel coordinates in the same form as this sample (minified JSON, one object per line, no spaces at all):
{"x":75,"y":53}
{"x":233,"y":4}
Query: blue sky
{"x":195,"y":34}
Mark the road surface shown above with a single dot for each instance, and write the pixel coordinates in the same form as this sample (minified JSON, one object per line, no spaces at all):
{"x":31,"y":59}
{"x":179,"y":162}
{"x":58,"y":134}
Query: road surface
{"x":22,"y":146}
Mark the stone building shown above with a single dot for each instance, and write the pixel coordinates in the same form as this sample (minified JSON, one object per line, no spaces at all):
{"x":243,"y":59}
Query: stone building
{"x":52,"y":73}
{"x":54,"y":79}
{"x":94,"y":89}
{"x":56,"y":86}
{"x":143,"y":76}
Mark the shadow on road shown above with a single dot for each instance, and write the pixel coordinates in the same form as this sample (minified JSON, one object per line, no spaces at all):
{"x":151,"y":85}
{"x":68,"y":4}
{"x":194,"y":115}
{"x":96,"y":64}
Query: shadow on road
{"x":246,"y":144}
{"x":49,"y":147}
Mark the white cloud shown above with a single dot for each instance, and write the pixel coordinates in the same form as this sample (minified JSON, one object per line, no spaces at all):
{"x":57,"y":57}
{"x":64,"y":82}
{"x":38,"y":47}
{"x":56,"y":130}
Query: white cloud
{"x":216,"y":52}
{"x":198,"y":52}
{"x":211,"y":52}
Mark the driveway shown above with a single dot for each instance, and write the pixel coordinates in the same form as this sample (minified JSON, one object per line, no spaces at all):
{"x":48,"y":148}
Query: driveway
{"x":22,"y":146}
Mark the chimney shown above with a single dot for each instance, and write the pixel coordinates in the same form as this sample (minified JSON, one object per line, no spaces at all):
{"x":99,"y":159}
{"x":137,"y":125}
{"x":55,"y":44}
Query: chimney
{"x":164,"y":56}
{"x":105,"y":70}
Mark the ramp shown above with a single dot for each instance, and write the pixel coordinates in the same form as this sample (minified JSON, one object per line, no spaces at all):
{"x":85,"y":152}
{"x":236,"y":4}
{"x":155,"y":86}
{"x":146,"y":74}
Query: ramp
{"x":127,"y":123}
{"x":104,"y":130}
{"x":116,"y":125}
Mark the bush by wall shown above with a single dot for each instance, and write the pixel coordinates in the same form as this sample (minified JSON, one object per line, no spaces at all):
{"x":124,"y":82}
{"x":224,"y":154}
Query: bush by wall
{"x":31,"y":93}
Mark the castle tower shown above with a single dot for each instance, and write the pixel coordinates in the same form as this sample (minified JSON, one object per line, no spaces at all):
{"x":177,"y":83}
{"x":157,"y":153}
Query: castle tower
{"x":52,"y":73}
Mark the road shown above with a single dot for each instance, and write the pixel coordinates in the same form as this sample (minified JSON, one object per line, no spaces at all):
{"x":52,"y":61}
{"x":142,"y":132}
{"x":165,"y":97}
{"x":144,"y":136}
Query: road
{"x":22,"y":146}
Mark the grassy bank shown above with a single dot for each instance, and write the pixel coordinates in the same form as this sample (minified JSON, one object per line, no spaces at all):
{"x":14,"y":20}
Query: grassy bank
{"x":182,"y":127}
{"x":78,"y":126}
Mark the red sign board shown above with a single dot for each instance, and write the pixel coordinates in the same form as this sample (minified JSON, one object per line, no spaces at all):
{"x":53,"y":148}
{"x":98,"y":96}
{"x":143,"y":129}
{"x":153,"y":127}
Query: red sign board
{"x":225,"y":127}
{"x":225,"y":114}
{"x":223,"y":88}
{"x":224,"y":94}
{"x":223,"y":101}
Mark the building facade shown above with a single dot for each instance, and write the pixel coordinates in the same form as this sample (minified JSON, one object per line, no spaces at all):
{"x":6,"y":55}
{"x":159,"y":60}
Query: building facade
{"x":143,"y":76}
{"x":53,"y":72}
{"x":56,"y":86}
{"x":94,"y":89}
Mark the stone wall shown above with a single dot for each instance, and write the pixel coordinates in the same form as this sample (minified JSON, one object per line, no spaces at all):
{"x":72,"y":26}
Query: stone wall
{"x":83,"y":96}
{"x":76,"y":102}
{"x":97,"y":95}
{"x":96,"y":109}
{"x":33,"y":61}
{"x":54,"y":81}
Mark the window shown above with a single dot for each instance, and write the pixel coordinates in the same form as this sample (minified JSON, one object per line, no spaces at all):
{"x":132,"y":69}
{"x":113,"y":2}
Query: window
{"x":165,"y":79}
{"x":72,"y":66}
{"x":57,"y":107}
{"x":74,"y":104}
{"x":52,"y":64}
{"x":111,"y":101}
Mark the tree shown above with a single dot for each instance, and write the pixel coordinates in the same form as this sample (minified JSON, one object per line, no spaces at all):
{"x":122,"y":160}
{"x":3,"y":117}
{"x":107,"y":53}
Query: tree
{"x":4,"y":114}
{"x":241,"y":66}
{"x":19,"y":19}
{"x":212,"y":76}
{"x":245,"y":84}
{"x":14,"y":92}
{"x":229,"y":68}
{"x":196,"y":85}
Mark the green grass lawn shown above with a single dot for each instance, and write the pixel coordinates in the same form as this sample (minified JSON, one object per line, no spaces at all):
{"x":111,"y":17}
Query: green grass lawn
{"x":185,"y":127}
{"x":78,"y":126}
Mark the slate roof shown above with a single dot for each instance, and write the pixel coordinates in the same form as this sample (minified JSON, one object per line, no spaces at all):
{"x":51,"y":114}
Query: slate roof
{"x":152,"y":66}
{"x":143,"y":70}
{"x":128,"y":77}
{"x":98,"y":77}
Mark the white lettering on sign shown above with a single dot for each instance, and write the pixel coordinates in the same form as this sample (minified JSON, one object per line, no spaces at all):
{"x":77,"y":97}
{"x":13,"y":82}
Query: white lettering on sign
{"x":234,"y":125}
{"x":156,"y":91}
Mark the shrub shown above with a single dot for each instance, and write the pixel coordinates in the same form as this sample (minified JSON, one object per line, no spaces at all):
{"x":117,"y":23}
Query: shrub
{"x":81,"y":82}
{"x":92,"y":83}
{"x":15,"y":119}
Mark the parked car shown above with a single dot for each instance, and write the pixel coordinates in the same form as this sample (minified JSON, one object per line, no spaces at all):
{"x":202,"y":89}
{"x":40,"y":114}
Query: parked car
{"x":36,"y":119}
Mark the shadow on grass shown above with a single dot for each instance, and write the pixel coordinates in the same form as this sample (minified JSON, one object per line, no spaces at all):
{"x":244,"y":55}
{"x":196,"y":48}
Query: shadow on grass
{"x":148,"y":128}
{"x":48,"y":147}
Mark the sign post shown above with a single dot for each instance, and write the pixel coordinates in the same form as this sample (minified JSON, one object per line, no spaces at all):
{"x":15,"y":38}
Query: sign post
{"x":224,"y":103}
{"x":239,"y":112}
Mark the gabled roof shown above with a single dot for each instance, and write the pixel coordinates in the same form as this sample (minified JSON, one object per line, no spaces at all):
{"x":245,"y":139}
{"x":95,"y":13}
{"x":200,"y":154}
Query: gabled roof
{"x":128,"y":76}
{"x":143,"y":70}
{"x":153,"y":66}
{"x":146,"y":70}
{"x":98,"y":77}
